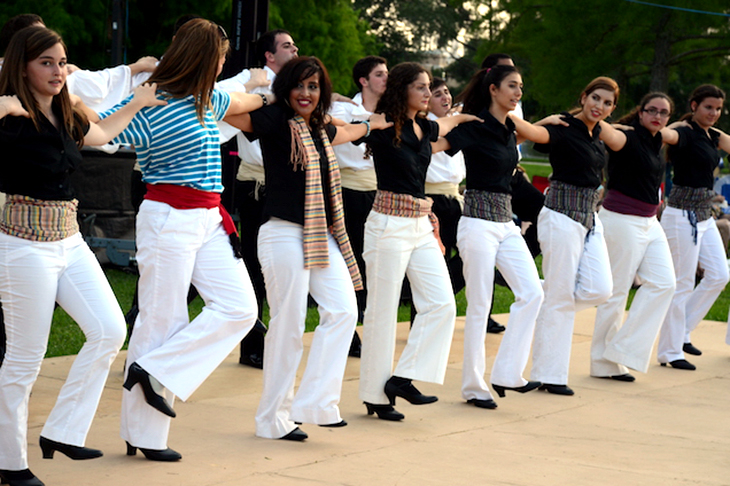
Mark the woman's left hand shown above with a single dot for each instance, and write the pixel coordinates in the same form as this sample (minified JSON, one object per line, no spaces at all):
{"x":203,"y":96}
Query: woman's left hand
{"x":146,"y":95}
{"x":378,"y":122}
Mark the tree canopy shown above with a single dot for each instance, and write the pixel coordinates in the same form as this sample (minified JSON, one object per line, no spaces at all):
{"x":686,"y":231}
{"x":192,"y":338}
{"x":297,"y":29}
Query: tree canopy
{"x":562,"y":45}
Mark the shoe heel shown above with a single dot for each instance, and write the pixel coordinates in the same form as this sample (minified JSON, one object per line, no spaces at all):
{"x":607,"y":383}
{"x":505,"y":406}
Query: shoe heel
{"x":370,"y":409}
{"x":499,"y":390}
{"x":129,"y":382}
{"x":47,"y":449}
{"x":131,"y":450}
{"x":391,"y":398}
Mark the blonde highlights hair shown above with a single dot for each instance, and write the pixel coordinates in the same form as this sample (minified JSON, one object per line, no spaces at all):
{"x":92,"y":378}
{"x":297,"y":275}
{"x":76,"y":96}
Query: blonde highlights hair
{"x":190,"y":64}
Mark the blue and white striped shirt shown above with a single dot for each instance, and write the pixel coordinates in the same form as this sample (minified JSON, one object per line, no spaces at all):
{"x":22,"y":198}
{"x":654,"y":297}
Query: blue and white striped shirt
{"x":171,"y":144}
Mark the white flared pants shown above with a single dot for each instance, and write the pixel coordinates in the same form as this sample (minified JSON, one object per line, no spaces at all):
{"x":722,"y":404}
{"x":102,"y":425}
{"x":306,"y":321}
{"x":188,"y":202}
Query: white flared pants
{"x":395,"y":247}
{"x":690,"y":304}
{"x":281,"y":253}
{"x":174,"y":249}
{"x":577,"y":276}
{"x":482,"y":245}
{"x":638,"y":247}
{"x":33,"y":276}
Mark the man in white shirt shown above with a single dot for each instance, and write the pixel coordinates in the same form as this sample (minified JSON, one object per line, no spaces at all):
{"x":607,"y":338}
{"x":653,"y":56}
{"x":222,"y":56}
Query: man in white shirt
{"x":359,"y":183}
{"x":274,"y":48}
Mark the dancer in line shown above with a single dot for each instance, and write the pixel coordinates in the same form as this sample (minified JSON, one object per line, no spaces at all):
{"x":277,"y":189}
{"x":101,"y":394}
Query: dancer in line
{"x":488,"y":236}
{"x":304,"y":249}
{"x":399,"y":241}
{"x":183,"y":238}
{"x":691,"y":230}
{"x":575,"y":260}
{"x":43,"y":258}
{"x":637,"y":245}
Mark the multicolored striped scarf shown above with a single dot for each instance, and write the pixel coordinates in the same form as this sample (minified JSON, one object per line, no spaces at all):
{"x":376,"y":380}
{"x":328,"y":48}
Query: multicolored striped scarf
{"x":304,"y":155}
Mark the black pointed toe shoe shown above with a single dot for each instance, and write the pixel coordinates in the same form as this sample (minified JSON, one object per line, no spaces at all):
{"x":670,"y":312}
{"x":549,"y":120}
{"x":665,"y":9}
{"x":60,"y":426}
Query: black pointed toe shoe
{"x":626,"y":377}
{"x":384,"y":412}
{"x":690,"y":349}
{"x":296,"y":435}
{"x":681,"y":364}
{"x":137,"y":374}
{"x":494,"y":327}
{"x":557,"y":389}
{"x":19,"y":478}
{"x":482,"y":403}
{"x":403,"y":387}
{"x":77,"y":453}
{"x":531,"y":385}
{"x":161,"y":455}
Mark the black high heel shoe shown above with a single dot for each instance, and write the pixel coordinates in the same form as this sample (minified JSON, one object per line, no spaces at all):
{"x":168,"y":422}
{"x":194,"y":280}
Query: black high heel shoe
{"x":384,"y":412}
{"x":19,"y":478}
{"x":681,"y":364}
{"x":296,"y":435}
{"x":77,"y":453}
{"x":557,"y":389}
{"x":162,"y":455}
{"x":403,"y":387}
{"x":531,"y":385}
{"x":137,"y":374}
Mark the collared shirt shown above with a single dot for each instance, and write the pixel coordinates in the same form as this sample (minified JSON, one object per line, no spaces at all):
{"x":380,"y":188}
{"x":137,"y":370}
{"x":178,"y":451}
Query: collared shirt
{"x":37,"y":163}
{"x":490,"y":151}
{"x":445,"y":167}
{"x":402,"y":169}
{"x":637,"y":170}
{"x":173,"y":147}
{"x":694,"y":157}
{"x":349,"y":155}
{"x":577,"y":157}
{"x":249,"y":152}
{"x":284,"y":185}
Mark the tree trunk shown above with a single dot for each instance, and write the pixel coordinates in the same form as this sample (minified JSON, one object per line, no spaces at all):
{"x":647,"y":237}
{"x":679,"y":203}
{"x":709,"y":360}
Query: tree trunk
{"x":662,"y":53}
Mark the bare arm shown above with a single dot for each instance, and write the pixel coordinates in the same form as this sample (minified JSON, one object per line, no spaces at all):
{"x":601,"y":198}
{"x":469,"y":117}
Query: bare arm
{"x":79,"y":104}
{"x":353,"y":131}
{"x":614,"y":139}
{"x":528,"y":131}
{"x":440,"y":145}
{"x":448,"y":123}
{"x":145,"y":64}
{"x":246,"y":103}
{"x":111,"y":126}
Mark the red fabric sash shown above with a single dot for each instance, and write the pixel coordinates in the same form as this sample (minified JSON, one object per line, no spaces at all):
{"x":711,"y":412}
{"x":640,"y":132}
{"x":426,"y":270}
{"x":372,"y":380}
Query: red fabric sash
{"x":181,"y":197}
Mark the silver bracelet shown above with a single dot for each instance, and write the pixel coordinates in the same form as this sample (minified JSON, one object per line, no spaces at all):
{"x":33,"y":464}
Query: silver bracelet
{"x":367,"y":124}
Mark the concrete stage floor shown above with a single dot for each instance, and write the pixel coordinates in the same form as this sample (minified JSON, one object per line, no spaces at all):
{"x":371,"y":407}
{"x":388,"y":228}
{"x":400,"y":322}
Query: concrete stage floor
{"x":670,"y":427}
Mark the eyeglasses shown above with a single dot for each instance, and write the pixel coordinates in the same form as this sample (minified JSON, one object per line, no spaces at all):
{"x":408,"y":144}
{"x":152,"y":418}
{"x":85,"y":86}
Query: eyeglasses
{"x":653,"y":112}
{"x":222,"y":33}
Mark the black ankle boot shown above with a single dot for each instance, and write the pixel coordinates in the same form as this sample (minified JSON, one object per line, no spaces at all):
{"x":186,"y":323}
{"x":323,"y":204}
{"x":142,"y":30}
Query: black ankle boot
{"x":384,"y":412}
{"x":403,"y":387}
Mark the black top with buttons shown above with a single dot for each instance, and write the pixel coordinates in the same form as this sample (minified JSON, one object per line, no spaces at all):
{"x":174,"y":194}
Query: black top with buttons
{"x":284,"y":185}
{"x":37,"y":163}
{"x":402,"y":169}
{"x":577,"y":157}
{"x":490,"y":152}
{"x":637,"y":170}
{"x":695,"y":156}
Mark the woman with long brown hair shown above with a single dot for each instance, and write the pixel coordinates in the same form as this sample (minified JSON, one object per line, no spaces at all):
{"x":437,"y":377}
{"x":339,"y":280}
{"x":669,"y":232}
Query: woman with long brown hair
{"x":691,"y":230}
{"x":304,"y":249}
{"x":488,"y":237}
{"x":575,"y":260}
{"x":637,"y":245}
{"x":43,"y":257}
{"x":400,"y":240}
{"x":184,"y":236}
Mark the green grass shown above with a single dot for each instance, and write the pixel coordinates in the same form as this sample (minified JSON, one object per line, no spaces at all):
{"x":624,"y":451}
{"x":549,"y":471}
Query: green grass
{"x":66,"y":337}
